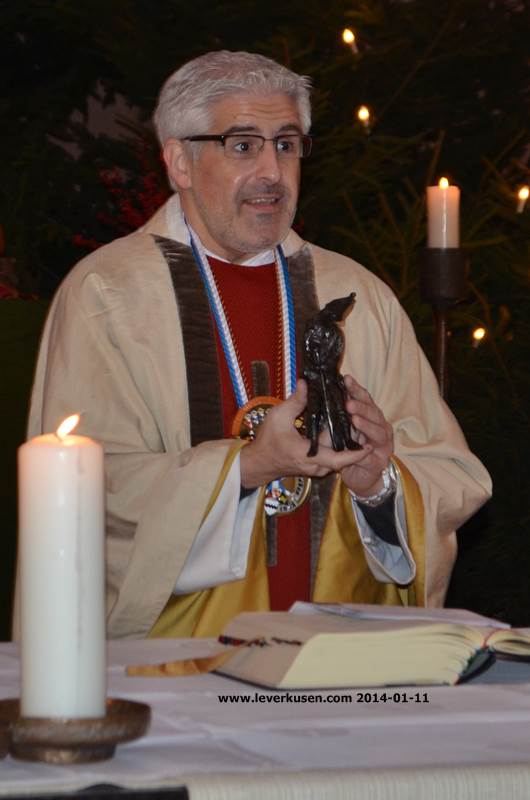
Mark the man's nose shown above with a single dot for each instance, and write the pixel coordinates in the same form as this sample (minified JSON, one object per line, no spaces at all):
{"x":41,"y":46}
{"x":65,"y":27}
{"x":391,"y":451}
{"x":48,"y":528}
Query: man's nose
{"x":268,"y":163}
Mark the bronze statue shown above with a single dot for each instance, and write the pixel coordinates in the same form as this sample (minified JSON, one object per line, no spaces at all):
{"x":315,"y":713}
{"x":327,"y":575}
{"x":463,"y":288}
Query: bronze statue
{"x":323,"y":347}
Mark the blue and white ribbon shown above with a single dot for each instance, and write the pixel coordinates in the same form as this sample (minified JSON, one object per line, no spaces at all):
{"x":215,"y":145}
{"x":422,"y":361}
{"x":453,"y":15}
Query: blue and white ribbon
{"x":287,"y":317}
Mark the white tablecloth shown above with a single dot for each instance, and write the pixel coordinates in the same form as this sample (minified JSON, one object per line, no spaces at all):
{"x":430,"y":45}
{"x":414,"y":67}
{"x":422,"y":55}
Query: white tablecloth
{"x":468,"y":741}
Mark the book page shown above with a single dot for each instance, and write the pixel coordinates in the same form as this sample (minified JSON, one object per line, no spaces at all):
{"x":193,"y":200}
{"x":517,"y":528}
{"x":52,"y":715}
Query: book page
{"x":511,"y":643}
{"x":301,"y":627}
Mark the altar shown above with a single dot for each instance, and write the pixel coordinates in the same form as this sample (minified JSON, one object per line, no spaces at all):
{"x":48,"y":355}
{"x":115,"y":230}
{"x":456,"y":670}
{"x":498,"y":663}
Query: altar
{"x":212,"y":737}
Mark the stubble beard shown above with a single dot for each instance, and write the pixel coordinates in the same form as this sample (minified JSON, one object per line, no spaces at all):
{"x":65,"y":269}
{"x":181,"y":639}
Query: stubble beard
{"x":229,"y":230}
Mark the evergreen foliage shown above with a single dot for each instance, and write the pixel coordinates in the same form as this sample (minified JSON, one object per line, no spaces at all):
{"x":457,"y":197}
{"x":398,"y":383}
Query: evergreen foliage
{"x":447,"y":82}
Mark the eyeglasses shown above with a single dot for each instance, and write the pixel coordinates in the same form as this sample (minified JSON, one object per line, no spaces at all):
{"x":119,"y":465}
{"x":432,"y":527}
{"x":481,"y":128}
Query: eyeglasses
{"x":249,"y":145}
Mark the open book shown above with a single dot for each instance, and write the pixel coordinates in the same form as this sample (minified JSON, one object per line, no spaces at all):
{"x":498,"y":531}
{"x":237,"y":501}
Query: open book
{"x":325,"y":650}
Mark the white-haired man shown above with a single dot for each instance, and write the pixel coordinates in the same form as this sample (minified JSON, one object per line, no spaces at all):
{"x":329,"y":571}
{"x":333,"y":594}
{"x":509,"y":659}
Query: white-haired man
{"x":165,"y":338}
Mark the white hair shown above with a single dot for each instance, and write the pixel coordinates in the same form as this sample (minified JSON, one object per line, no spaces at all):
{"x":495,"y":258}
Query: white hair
{"x":186,"y":97}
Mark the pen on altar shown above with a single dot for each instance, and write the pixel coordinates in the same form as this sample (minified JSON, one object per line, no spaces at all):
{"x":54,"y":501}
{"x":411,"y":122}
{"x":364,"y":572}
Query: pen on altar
{"x":261,"y":642}
{"x":231,"y":640}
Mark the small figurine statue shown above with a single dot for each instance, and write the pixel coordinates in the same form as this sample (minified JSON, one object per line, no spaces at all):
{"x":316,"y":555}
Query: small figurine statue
{"x":323,"y":347}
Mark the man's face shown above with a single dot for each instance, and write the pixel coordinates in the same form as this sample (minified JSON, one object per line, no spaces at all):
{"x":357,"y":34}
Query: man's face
{"x":241,"y":207}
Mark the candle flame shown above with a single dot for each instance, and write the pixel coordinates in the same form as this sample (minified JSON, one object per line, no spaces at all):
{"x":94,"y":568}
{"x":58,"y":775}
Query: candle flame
{"x":443,"y":183}
{"x":479,"y":334}
{"x":67,"y":426}
{"x":348,"y":36}
{"x":363,"y":113}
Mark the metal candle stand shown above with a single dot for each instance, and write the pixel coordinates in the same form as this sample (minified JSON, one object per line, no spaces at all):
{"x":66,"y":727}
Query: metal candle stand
{"x":443,"y":283}
{"x":57,"y":740}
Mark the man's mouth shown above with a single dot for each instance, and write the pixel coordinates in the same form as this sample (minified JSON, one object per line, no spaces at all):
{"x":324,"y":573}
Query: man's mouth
{"x":267,"y":200}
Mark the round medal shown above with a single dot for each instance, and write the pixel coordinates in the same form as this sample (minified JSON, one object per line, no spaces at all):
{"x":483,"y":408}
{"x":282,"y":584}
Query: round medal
{"x":283,"y":495}
{"x":250,"y":416}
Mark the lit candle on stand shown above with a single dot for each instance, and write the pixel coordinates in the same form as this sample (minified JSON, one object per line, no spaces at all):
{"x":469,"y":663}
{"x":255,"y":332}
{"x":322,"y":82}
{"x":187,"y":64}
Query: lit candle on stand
{"x":443,"y":215}
{"x":61,"y":552}
{"x":443,"y":267}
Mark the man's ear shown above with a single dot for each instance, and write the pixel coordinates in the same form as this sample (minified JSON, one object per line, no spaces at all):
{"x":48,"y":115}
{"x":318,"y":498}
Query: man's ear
{"x":177,"y":163}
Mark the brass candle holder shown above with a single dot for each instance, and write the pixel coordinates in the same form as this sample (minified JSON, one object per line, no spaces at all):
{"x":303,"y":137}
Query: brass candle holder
{"x":56,"y":740}
{"x":443,"y":283}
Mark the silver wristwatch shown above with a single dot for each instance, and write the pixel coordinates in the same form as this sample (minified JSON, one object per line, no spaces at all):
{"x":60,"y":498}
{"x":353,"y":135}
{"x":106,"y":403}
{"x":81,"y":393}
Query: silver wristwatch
{"x":390,"y":478}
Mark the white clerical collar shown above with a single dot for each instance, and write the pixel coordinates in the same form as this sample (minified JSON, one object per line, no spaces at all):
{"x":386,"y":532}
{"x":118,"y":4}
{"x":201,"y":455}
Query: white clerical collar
{"x":267,"y":257}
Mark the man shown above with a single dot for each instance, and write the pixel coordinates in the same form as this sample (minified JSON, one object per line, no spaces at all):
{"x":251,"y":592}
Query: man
{"x":161,"y":338}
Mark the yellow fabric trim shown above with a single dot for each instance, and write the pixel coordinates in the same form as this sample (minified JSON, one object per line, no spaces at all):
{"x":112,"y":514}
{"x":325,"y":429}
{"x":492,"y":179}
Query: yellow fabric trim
{"x":343,"y":576}
{"x":415,"y":515}
{"x":185,"y":666}
{"x":229,"y":460}
{"x":207,"y":612}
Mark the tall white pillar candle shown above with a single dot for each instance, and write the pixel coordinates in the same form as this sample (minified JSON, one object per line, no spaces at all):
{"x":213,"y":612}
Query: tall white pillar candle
{"x":443,"y":215}
{"x":61,"y":553}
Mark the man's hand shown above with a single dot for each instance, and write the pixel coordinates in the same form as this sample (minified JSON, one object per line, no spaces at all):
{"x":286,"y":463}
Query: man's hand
{"x":363,"y":476}
{"x":279,"y":450}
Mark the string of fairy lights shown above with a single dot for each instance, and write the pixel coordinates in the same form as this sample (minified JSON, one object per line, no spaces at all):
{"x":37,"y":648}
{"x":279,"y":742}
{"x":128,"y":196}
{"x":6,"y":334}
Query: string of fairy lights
{"x":365,"y":118}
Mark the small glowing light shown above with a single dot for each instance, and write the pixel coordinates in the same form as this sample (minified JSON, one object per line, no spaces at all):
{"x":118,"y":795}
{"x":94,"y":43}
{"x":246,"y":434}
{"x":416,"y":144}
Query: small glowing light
{"x":67,"y":426}
{"x":348,"y":37}
{"x":443,"y":183}
{"x":522,"y":196}
{"x":479,"y":334}
{"x":363,"y":113}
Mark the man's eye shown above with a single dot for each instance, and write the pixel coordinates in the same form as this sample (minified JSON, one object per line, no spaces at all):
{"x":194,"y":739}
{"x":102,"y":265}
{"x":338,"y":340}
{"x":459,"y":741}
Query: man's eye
{"x":243,"y":146}
{"x":286,"y":145}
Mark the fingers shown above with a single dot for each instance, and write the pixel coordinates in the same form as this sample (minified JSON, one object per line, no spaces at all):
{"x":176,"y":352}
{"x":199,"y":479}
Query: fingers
{"x":295,"y":404}
{"x":291,"y":450}
{"x":367,"y":418}
{"x":364,"y":478}
{"x":360,"y":396}
{"x":334,"y":461}
{"x":299,"y":396}
{"x":355,"y":390}
{"x":378,"y":433}
{"x":279,"y":450}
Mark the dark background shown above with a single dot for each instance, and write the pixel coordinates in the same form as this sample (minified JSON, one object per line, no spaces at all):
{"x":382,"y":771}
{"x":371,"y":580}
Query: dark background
{"x":448,"y":85}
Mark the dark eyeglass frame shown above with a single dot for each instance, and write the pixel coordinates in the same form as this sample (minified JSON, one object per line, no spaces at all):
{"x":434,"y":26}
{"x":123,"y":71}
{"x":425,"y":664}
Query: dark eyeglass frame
{"x":306,"y":142}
